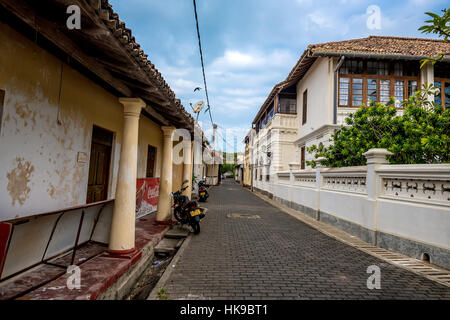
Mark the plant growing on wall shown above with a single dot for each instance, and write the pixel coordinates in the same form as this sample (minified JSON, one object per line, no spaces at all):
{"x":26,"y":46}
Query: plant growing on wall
{"x":420,"y":135}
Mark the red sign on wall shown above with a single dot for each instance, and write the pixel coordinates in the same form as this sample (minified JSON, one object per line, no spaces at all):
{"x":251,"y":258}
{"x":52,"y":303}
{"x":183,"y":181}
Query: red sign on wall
{"x":147,"y":192}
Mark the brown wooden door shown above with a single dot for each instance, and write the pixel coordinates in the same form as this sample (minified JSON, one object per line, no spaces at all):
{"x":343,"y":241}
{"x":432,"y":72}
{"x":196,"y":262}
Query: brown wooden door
{"x":99,"y":168}
{"x":151,"y":159}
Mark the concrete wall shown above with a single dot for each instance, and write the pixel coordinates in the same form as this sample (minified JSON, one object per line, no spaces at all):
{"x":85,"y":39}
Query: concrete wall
{"x":404,"y":208}
{"x":319,"y":83}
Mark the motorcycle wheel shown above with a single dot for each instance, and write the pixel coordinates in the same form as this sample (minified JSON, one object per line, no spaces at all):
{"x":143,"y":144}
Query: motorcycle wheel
{"x":195,"y":226}
{"x":177,"y":214}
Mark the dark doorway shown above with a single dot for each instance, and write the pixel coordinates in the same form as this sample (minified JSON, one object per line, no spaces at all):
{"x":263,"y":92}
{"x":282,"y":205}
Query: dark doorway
{"x":99,"y":165}
{"x":151,"y":160}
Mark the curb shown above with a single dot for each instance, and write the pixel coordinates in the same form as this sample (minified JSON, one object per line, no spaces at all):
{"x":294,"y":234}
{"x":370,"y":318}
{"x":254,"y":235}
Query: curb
{"x":165,"y":277}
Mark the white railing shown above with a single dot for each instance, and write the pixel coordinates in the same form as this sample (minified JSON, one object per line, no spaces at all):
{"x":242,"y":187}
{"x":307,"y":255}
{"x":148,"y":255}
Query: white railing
{"x":284,"y":177}
{"x":424,"y":183}
{"x":306,"y":178}
{"x":349,"y":179}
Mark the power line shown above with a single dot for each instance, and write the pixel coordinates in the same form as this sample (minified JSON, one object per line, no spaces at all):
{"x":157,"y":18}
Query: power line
{"x":203,"y":66}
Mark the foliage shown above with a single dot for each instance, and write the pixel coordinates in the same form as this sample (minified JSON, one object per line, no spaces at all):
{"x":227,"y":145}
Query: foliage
{"x":162,"y":294}
{"x":227,"y":167}
{"x":420,"y":135}
{"x":439,"y":25}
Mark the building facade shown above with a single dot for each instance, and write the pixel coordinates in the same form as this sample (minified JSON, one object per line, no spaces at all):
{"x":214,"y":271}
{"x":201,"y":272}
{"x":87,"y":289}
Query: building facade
{"x":329,"y":82}
{"x":87,"y":133}
{"x":404,"y":208}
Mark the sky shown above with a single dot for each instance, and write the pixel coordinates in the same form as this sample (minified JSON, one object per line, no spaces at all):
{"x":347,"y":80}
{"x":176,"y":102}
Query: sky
{"x":251,"y":45}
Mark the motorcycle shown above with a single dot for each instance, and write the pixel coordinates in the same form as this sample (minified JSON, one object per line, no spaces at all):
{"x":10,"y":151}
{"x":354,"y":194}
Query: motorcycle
{"x":187,"y":211}
{"x":203,"y":190}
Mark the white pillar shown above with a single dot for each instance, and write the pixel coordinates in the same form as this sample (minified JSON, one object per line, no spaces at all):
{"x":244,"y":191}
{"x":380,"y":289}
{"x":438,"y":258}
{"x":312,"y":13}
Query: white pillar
{"x":427,"y":77}
{"x":187,"y":168}
{"x":375,"y":159}
{"x":124,"y":215}
{"x":164,"y":212}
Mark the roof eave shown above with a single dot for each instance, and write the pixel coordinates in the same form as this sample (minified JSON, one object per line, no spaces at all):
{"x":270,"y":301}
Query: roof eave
{"x":372,"y":55}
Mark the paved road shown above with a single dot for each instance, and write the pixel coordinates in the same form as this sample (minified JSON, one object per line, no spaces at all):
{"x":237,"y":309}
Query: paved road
{"x":279,"y":257}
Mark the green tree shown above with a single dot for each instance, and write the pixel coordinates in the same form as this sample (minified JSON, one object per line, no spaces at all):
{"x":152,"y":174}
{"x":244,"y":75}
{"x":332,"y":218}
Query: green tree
{"x":439,"y":25}
{"x":420,"y":135}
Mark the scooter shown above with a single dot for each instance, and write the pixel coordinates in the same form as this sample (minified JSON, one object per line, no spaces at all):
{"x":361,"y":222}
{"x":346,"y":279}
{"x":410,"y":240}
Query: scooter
{"x":186,"y":211}
{"x":203,"y":190}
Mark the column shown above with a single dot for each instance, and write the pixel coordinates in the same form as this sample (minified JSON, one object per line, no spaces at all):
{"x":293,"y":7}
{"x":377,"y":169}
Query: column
{"x":187,"y":168}
{"x":375,"y":159}
{"x":427,"y":77}
{"x":164,"y":213}
{"x":124,"y":213}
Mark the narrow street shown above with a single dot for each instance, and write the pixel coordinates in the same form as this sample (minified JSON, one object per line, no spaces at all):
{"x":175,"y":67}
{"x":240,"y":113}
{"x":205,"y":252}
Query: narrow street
{"x":277,"y":256}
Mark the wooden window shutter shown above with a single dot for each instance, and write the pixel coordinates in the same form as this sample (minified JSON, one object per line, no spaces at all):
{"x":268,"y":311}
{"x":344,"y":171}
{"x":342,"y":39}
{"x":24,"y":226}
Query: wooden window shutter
{"x":302,"y":158}
{"x":305,"y":103}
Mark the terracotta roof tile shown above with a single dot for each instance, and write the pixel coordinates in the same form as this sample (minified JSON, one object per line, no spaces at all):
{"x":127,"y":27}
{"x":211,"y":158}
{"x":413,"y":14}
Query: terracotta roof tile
{"x":385,"y":45}
{"x":124,"y":34}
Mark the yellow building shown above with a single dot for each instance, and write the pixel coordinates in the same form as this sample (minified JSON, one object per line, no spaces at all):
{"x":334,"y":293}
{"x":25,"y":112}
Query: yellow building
{"x":85,"y":118}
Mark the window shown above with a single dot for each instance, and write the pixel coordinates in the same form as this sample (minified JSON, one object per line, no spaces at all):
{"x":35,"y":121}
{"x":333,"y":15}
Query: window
{"x":151,"y":161}
{"x":447,"y":94}
{"x":377,"y":81}
{"x":443,"y":97}
{"x":344,"y":91}
{"x":302,"y":158}
{"x":442,"y":70}
{"x":438,"y":97}
{"x":305,"y":104}
{"x":271,"y":113}
{"x":287,"y":106}
{"x":351,"y":67}
{"x":412,"y":87}
{"x":357,"y":92}
{"x":2,"y":99}
{"x":378,"y":68}
{"x":399,"y":92}
{"x":372,"y":92}
{"x":385,"y":89}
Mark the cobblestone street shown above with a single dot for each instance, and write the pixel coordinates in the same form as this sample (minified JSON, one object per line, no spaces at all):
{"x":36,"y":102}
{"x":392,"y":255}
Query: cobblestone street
{"x":279,"y":257}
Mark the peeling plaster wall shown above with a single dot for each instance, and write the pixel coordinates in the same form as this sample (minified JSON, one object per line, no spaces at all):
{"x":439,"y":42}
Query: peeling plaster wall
{"x":39,"y":171}
{"x":149,"y":134}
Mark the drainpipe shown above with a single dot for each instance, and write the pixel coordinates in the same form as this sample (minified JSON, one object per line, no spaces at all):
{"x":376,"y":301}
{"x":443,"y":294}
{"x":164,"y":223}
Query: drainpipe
{"x":336,"y":70}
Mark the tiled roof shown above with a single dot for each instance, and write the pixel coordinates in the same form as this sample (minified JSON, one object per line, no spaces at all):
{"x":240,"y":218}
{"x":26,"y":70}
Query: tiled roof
{"x":372,"y":46}
{"x":384,"y":45}
{"x":123,"y":34}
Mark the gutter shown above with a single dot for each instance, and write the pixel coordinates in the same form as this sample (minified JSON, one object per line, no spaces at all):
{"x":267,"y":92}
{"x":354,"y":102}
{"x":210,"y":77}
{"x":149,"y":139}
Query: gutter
{"x":373,"y":55}
{"x":336,"y":70}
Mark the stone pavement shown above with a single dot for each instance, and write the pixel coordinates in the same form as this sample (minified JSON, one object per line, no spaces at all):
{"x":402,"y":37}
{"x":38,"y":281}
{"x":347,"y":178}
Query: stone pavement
{"x":277,"y":256}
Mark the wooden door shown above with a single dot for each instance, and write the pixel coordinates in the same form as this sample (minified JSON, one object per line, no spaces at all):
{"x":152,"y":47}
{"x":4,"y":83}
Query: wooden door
{"x":99,"y":166}
{"x":151,"y":160}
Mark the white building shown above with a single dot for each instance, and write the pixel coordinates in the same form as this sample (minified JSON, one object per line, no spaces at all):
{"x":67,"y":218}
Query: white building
{"x":330,"y":81}
{"x":405,"y":208}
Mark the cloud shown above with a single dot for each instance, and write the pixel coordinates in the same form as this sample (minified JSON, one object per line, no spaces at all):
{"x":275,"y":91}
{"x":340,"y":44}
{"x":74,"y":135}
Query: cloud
{"x":233,"y":59}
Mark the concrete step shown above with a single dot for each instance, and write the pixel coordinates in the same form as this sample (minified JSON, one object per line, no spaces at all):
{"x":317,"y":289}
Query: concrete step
{"x":176,"y":233}
{"x":168,"y":246}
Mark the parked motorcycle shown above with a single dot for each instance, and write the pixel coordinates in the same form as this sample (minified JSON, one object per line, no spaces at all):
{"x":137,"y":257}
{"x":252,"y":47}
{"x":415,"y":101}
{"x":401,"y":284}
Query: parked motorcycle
{"x":203,"y":190}
{"x":186,"y":211}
